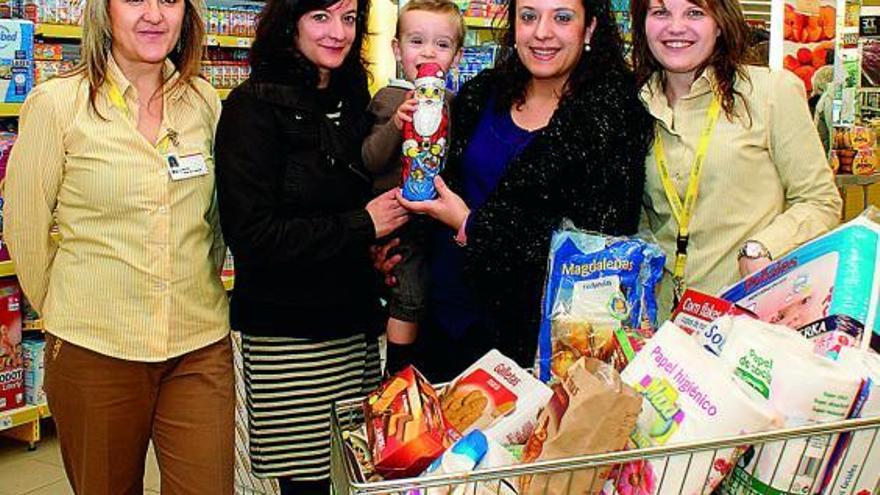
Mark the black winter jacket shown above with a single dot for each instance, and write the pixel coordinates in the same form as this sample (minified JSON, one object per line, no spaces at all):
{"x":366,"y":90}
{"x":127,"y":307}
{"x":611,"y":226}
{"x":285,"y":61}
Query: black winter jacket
{"x":292,"y":192}
{"x":587,"y":164}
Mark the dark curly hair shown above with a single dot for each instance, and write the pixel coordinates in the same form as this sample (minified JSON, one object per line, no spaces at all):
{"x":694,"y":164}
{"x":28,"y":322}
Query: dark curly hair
{"x":729,"y":59}
{"x":606,"y":55}
{"x":274,"y":56}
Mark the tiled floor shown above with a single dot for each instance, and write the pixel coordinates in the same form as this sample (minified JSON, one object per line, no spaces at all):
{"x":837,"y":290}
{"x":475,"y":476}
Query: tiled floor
{"x":41,"y":473}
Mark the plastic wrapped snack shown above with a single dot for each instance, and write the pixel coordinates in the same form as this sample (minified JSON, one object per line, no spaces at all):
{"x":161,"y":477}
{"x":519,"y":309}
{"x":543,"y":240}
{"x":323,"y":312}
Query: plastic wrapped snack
{"x":689,"y":395}
{"x":836,"y":274}
{"x":599,"y":300}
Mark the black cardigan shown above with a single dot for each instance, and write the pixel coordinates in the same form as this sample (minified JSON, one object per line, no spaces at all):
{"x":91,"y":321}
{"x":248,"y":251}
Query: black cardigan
{"x":292,"y":192}
{"x":587,"y":165}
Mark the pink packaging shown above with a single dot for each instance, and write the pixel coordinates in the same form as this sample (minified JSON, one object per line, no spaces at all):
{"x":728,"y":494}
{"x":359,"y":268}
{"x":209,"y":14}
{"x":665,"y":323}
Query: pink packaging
{"x":7,"y":139}
{"x":11,"y":366}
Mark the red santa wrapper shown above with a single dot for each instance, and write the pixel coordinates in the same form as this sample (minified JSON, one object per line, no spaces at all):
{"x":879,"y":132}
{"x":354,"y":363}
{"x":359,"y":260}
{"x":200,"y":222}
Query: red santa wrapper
{"x":424,"y":139}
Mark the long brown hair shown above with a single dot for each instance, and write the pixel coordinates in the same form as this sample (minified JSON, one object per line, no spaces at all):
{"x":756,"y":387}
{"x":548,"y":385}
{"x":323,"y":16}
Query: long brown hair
{"x":729,"y":59}
{"x":97,"y":38}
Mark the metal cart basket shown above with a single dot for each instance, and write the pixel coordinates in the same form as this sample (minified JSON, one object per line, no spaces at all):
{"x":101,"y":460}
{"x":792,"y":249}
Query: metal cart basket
{"x":809,"y":444}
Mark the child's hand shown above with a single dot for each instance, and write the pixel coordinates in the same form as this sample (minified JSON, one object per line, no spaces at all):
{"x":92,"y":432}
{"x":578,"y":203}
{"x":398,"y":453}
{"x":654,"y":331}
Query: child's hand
{"x":405,"y":111}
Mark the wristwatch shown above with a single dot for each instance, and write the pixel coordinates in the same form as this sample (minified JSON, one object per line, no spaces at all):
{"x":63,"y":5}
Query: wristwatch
{"x":753,"y":250}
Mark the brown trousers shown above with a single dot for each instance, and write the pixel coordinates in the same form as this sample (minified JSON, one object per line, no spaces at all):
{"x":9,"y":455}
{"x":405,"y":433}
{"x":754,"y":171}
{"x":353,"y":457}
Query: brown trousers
{"x":107,"y":409}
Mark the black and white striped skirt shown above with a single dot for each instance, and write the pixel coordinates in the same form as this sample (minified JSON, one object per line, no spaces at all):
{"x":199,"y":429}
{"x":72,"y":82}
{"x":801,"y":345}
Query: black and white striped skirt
{"x":291,"y":384}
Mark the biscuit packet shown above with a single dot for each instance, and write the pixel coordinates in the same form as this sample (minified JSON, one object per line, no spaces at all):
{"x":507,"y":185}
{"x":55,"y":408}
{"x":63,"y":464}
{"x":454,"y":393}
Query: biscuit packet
{"x":599,"y":300}
{"x":497,"y":396}
{"x":406,"y":430}
{"x":592,"y":412}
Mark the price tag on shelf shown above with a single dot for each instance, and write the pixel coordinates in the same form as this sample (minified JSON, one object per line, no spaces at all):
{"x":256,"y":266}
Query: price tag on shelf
{"x":243,"y":42}
{"x":211,"y":40}
{"x":5,"y":422}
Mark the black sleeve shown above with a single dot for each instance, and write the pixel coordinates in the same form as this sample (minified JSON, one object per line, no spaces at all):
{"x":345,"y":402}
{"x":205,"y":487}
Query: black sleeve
{"x":250,"y":164}
{"x":599,"y":188}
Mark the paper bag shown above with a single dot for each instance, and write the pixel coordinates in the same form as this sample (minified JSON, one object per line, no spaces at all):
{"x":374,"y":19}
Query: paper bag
{"x":591,"y":412}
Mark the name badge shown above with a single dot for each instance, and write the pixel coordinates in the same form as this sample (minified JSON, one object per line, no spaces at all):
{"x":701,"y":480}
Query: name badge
{"x":186,"y":166}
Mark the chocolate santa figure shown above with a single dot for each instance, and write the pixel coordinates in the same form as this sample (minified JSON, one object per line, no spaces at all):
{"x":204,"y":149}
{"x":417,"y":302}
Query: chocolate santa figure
{"x":424,"y":139}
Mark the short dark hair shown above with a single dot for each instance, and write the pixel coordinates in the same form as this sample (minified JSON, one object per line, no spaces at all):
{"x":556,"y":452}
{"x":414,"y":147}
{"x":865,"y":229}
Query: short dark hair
{"x":274,"y":55}
{"x":605,"y":55}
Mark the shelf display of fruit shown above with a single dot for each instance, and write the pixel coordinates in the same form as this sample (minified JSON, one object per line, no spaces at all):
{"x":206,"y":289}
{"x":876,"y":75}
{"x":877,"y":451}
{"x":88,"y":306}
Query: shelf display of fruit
{"x":808,"y":34}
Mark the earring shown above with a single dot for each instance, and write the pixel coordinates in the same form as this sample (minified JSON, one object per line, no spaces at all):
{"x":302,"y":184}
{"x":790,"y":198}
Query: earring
{"x":586,"y":46}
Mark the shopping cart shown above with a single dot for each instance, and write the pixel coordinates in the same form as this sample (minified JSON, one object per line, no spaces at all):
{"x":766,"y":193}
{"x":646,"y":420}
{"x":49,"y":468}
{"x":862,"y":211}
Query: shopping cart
{"x":807,"y":444}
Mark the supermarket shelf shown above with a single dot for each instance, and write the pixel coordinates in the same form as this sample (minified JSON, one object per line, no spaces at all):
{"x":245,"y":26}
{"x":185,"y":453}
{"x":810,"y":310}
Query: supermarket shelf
{"x":9,"y":109}
{"x":857,"y":180}
{"x":480,"y":22}
{"x":33,"y":326}
{"x":223,"y":93}
{"x":62,"y":31}
{"x":228,"y":41}
{"x":59,"y":31}
{"x":7,"y":269}
{"x":23,"y":415}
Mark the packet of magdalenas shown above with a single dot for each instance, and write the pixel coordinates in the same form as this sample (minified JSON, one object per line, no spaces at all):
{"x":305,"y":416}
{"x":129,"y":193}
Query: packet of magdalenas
{"x":496,"y":396}
{"x":406,"y":430}
{"x":599,"y":300}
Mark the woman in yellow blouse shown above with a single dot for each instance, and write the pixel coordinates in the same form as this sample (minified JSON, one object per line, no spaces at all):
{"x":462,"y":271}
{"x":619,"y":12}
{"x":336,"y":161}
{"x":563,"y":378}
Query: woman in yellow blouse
{"x":737,"y":176}
{"x":135,"y":313}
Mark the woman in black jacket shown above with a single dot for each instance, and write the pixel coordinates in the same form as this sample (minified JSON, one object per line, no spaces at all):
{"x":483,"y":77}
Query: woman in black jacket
{"x":296,"y":213}
{"x":555,"y":131}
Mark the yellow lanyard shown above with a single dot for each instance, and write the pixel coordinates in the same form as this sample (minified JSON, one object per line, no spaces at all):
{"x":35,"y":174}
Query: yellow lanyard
{"x":683,"y":212}
{"x":118,"y":101}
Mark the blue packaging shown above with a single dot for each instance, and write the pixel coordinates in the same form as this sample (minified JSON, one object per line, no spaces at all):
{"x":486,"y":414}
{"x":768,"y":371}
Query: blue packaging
{"x":16,"y":60}
{"x":837,"y":274}
{"x":599,"y":300}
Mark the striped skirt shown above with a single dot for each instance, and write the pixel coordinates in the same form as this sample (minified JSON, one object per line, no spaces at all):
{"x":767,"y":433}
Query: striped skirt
{"x":291,"y":384}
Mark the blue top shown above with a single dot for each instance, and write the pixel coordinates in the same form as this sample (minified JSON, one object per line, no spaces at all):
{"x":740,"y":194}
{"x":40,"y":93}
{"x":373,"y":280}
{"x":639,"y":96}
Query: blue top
{"x":495,"y":142}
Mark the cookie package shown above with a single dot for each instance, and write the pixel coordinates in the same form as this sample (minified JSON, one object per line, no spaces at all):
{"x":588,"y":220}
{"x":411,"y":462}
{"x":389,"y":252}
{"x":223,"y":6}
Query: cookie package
{"x":496,"y":396}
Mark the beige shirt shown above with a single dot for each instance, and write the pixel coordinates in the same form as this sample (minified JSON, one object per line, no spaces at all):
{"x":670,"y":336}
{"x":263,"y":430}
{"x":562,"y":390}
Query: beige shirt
{"x":768,"y":181}
{"x":136,"y":272}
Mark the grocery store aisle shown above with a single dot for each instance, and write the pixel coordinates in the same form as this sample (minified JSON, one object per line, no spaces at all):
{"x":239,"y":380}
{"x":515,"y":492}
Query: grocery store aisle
{"x":41,"y":472}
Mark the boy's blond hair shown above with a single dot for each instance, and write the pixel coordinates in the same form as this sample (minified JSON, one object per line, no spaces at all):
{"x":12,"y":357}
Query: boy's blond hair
{"x":438,"y":7}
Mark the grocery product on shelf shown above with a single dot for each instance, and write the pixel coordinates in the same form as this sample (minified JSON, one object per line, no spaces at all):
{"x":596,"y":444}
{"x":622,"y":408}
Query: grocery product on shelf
{"x":33,"y":350}
{"x":52,"y":59}
{"x":11,"y":370}
{"x":16,"y":60}
{"x":239,"y":20}
{"x":225,"y":68}
{"x":7,"y":139}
